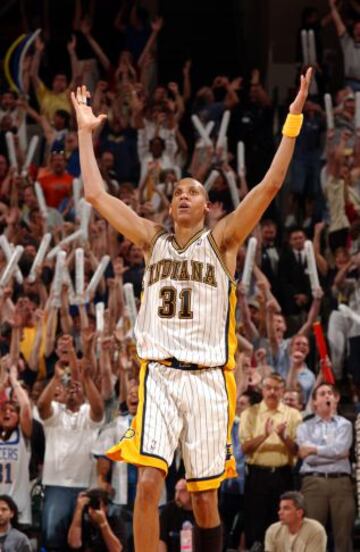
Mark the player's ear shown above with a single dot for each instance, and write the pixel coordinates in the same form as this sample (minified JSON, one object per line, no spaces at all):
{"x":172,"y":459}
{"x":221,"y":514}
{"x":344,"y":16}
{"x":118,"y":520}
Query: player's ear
{"x":207,"y":207}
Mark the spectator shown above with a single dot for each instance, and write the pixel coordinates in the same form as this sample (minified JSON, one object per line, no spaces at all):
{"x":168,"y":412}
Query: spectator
{"x":123,"y":476}
{"x":58,"y":97}
{"x":70,"y":430}
{"x":349,"y":45}
{"x":293,"y":280}
{"x":172,"y":517}
{"x":294,"y":531}
{"x":57,"y":183}
{"x":96,"y":525}
{"x":11,"y":539}
{"x":16,"y":431}
{"x":324,"y":444}
{"x":267,"y":436}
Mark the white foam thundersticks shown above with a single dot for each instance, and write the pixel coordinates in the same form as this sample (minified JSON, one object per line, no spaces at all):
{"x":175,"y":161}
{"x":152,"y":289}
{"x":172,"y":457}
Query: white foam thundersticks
{"x":10,"y":144}
{"x":11,"y":266}
{"x":329,"y":112}
{"x":201,"y":130}
{"x":30,"y":154}
{"x":130,"y":303}
{"x":311,"y":266}
{"x":221,"y":141}
{"x":249,"y":263}
{"x":41,"y":200}
{"x":8,"y":250}
{"x":98,"y":274}
{"x":40,"y":256}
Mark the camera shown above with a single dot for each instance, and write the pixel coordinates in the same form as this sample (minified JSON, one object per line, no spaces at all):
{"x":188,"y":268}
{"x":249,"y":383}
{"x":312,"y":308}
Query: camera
{"x":94,"y":502}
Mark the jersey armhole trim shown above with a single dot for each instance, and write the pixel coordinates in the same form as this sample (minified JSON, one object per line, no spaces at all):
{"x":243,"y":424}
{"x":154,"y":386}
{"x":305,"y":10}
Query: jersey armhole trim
{"x":219,"y":256}
{"x":159,"y":233}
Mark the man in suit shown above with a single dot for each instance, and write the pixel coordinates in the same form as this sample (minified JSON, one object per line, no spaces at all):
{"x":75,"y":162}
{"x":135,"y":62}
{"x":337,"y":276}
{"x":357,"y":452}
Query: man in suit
{"x":294,"y":281}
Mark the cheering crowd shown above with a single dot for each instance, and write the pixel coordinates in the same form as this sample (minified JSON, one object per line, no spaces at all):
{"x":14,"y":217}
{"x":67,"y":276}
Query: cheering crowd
{"x":70,"y":287}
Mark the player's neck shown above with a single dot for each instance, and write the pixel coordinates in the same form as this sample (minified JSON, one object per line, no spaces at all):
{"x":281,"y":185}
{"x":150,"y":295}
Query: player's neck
{"x":184,"y":233}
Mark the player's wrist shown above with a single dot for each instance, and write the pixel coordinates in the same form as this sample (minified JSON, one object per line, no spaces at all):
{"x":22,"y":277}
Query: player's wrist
{"x":293,"y":124}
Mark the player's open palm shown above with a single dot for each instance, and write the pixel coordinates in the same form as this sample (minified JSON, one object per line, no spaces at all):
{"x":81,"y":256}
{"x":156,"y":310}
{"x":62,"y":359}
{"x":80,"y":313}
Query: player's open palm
{"x":85,"y":117}
{"x":297,"y":106}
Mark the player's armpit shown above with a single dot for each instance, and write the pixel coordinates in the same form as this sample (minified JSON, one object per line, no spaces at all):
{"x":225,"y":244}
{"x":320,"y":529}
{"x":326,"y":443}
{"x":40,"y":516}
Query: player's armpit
{"x":135,"y":228}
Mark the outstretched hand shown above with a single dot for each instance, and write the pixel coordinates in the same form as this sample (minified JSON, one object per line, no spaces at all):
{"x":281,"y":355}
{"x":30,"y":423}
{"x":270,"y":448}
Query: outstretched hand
{"x":85,"y":117}
{"x":297,"y":106}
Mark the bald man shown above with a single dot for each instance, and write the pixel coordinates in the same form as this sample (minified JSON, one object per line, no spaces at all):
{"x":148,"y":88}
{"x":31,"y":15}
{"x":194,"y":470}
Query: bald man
{"x":185,"y":332}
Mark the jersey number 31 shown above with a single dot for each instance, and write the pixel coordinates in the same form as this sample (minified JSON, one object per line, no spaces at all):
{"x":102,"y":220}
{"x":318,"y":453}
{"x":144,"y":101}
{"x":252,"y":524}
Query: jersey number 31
{"x":168,"y":296}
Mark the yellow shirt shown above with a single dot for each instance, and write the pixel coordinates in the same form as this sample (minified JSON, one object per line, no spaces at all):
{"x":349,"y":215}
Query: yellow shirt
{"x":50,"y":102}
{"x":26,"y":345}
{"x":272,"y":452}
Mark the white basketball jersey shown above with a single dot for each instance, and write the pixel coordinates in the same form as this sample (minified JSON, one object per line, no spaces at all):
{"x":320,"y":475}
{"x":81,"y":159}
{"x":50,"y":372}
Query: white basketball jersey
{"x":14,"y":472}
{"x":188,"y":304}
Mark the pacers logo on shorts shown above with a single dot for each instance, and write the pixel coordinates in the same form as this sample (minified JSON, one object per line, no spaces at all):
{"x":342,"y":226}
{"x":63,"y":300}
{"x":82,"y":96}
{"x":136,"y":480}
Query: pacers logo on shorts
{"x":229,"y":451}
{"x":129,"y":434}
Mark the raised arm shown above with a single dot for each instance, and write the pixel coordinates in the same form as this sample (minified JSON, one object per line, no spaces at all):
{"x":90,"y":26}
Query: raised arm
{"x":336,"y":17}
{"x":24,"y":403}
{"x":231,"y":231}
{"x":140,"y":231}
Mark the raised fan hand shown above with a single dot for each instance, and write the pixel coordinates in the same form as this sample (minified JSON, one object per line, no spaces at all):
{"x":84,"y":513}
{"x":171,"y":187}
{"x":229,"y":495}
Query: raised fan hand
{"x":297,"y":106}
{"x":85,"y":117}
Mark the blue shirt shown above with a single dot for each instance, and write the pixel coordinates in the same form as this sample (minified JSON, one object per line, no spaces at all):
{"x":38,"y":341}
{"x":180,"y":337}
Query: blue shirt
{"x":332,"y":438}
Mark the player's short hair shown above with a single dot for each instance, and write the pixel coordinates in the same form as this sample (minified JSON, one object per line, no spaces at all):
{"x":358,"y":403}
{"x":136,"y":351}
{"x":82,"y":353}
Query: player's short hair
{"x":296,"y":497}
{"x":194,"y":179}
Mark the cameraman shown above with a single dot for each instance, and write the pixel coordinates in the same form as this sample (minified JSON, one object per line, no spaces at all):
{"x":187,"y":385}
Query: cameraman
{"x":96,"y":525}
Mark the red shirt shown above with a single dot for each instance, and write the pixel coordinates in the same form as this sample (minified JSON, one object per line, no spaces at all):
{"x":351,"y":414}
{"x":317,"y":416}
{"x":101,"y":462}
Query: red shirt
{"x":56,"y":188}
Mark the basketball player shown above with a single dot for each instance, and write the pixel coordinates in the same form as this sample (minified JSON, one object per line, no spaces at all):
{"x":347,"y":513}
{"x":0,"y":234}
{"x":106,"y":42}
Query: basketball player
{"x":185,"y":331}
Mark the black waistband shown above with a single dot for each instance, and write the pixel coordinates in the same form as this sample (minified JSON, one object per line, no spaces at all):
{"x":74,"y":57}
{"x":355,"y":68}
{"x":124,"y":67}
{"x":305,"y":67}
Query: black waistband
{"x":268,"y":469}
{"x":333,"y":475}
{"x":180,"y":365}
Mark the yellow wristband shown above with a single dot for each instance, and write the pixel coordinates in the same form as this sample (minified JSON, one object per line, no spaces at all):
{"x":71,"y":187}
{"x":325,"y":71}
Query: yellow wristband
{"x":293,"y":125}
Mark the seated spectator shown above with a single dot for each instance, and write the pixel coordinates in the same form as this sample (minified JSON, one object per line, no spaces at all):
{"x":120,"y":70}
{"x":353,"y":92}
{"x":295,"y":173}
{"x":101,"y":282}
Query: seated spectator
{"x":11,"y":539}
{"x":173,"y":516}
{"x":96,"y":525}
{"x":324,"y":444}
{"x":294,"y":531}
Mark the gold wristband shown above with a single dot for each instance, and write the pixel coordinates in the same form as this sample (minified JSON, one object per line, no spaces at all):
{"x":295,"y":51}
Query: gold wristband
{"x":293,"y":124}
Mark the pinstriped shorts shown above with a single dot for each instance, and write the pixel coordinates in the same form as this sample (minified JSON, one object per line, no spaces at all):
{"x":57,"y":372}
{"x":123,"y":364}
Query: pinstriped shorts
{"x":187,"y":408}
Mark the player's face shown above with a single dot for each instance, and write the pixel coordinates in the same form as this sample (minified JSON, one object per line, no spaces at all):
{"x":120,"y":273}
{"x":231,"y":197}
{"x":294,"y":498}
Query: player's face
{"x":6,"y":514}
{"x":189,"y":203}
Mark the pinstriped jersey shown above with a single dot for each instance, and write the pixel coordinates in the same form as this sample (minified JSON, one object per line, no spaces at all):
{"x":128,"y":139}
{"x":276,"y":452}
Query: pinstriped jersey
{"x":188,"y":304}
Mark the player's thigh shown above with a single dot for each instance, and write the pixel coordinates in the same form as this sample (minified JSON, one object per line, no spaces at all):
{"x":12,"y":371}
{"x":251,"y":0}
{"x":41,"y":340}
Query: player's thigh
{"x":161,"y":420}
{"x":205,"y":431}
